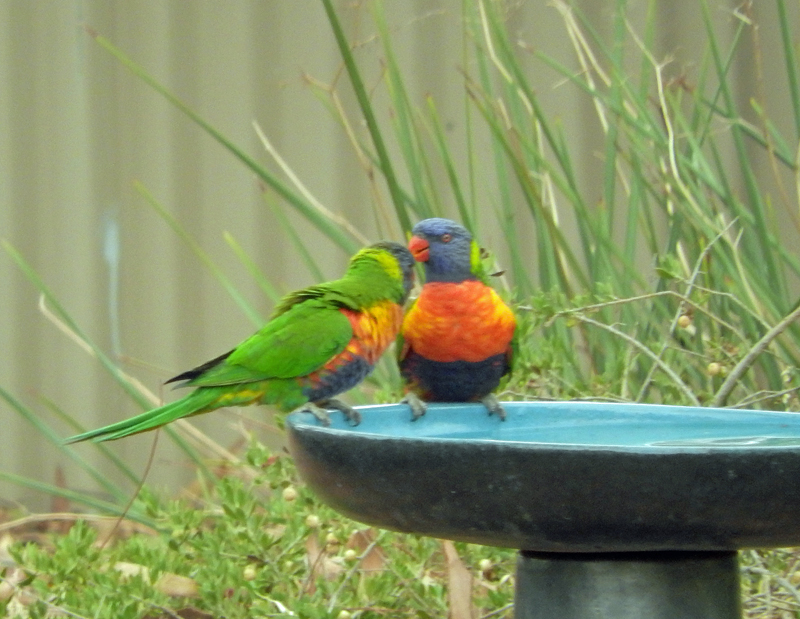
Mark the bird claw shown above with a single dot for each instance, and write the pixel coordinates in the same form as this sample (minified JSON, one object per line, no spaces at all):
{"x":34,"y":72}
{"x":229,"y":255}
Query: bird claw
{"x":417,"y":406}
{"x":494,"y":407}
{"x":319,"y":413}
{"x":351,"y":414}
{"x":318,"y":410}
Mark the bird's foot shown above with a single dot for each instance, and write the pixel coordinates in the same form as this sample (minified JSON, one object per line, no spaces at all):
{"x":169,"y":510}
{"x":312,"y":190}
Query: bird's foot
{"x":417,"y":406}
{"x":319,"y":413}
{"x":351,"y":414}
{"x":494,"y":407}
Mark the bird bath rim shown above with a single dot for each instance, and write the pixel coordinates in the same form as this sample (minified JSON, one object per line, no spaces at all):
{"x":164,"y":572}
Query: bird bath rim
{"x":557,"y":424}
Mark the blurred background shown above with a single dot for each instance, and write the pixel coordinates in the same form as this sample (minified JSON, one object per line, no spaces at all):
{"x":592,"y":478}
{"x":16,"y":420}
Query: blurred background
{"x":78,"y":131}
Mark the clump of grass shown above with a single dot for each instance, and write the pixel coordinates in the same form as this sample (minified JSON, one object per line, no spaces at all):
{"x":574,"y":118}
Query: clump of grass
{"x":770,"y":584}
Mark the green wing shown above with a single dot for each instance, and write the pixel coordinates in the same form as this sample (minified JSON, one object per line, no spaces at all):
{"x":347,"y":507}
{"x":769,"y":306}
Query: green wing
{"x":338,"y":293}
{"x":297,"y":297}
{"x":296,"y":342}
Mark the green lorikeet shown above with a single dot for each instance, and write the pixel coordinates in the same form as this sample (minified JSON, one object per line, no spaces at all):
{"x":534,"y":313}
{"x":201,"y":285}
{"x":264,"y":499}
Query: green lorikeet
{"x":457,"y":337}
{"x":319,"y":342}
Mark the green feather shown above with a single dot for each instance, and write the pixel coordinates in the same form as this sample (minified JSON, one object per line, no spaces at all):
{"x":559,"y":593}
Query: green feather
{"x":477,"y":265}
{"x":192,"y":404}
{"x":295,"y":343}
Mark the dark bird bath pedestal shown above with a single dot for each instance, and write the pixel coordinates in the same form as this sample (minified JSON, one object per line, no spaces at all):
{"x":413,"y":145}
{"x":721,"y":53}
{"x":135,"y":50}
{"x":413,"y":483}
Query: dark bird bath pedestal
{"x":620,"y":511}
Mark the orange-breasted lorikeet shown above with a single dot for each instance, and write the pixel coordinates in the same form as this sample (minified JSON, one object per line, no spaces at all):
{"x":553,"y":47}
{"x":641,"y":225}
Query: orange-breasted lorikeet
{"x":457,"y":337}
{"x":318,"y":343}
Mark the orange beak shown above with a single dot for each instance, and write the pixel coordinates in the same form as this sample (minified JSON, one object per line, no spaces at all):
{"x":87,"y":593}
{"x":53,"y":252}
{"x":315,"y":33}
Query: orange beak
{"x":419,"y":248}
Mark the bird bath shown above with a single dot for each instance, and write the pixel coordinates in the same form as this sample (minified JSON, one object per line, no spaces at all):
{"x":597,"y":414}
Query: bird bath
{"x":623,"y":511}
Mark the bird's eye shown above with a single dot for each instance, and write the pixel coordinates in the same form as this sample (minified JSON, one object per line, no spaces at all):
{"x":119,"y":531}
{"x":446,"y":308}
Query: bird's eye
{"x":446,"y":238}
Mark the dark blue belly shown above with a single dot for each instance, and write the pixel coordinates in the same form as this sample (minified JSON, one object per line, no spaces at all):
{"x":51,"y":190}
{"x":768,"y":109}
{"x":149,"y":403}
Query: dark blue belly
{"x":453,"y":381}
{"x":342,"y":379}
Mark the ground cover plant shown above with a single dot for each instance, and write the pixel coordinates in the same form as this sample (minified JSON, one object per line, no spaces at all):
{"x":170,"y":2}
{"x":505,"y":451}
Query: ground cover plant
{"x":709,"y":320}
{"x":255,"y":544}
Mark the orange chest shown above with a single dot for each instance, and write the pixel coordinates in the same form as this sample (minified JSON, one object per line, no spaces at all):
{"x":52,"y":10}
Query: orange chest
{"x":464,"y":321}
{"x":374,"y":329}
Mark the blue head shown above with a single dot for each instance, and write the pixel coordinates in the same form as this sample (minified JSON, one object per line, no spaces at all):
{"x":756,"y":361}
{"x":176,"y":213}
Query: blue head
{"x":445,"y":248}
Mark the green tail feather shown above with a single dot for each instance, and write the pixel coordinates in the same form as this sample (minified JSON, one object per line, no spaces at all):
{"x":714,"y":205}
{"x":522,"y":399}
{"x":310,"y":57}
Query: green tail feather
{"x":196,"y":402}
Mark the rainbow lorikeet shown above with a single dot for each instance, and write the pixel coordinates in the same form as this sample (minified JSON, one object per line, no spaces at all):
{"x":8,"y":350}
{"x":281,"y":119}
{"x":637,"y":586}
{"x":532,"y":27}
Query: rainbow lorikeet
{"x":457,"y":337}
{"x":319,"y":342}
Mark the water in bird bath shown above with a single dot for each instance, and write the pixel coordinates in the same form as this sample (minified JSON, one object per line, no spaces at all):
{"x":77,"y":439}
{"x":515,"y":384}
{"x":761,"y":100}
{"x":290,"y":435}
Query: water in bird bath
{"x":590,"y":424}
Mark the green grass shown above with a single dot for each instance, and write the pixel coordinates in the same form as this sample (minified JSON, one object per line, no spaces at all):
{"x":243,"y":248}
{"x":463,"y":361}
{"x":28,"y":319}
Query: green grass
{"x":709,"y":320}
{"x":252,"y":547}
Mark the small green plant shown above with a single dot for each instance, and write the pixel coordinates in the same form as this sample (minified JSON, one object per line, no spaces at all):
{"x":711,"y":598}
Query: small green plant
{"x":253,"y":546}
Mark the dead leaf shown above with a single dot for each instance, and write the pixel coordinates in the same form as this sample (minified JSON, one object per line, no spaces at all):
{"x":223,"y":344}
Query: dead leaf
{"x":275,"y":531}
{"x":319,"y":562}
{"x":193,"y":613}
{"x":129,"y":570}
{"x":459,"y":584}
{"x":6,"y":560}
{"x":177,"y":586}
{"x":359,"y":541}
{"x":184,"y":613}
{"x":168,"y":583}
{"x":8,"y":586}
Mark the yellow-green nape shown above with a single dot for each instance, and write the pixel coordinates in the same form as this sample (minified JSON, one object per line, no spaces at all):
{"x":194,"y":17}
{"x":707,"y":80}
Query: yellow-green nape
{"x":381,"y":255}
{"x":389,"y":264}
{"x":475,"y":261}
